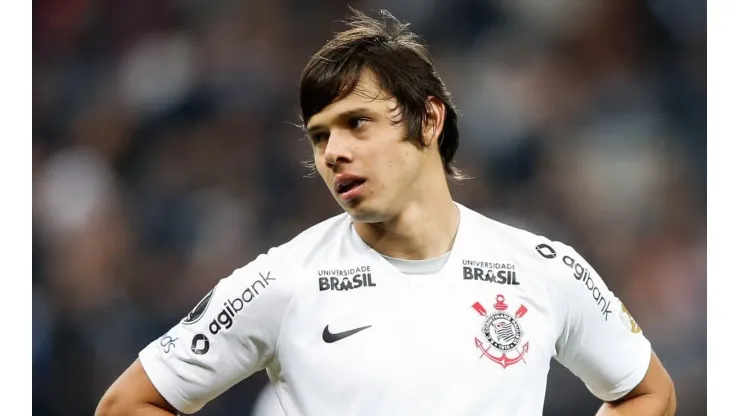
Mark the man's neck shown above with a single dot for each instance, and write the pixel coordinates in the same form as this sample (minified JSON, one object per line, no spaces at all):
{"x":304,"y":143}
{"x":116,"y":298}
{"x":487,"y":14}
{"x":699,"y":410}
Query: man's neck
{"x":421,"y":231}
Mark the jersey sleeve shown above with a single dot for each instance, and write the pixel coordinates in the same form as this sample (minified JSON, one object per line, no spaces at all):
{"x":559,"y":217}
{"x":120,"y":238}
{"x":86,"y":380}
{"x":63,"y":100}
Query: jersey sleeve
{"x":229,"y":335}
{"x":600,"y":341}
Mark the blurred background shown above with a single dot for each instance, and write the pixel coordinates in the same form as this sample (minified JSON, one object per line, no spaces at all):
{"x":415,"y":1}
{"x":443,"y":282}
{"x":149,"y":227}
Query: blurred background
{"x":164,"y":157}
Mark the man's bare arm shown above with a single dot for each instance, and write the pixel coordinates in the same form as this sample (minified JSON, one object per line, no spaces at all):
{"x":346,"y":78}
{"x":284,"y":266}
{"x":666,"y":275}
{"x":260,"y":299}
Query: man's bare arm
{"x":134,"y":394}
{"x":654,"y":396}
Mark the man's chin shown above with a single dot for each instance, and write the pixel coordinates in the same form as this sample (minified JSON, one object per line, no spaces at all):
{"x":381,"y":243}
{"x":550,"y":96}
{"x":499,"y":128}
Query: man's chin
{"x":363,"y":211}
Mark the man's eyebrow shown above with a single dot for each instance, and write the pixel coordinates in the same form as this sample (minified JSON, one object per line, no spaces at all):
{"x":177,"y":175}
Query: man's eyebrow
{"x":341,"y":116}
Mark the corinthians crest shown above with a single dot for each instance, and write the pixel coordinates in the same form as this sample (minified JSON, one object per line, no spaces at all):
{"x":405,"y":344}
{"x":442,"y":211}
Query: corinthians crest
{"x":502,"y":332}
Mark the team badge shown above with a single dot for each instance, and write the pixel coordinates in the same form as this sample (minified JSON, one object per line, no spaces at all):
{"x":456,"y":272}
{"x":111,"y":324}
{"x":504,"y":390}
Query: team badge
{"x":502,"y":332}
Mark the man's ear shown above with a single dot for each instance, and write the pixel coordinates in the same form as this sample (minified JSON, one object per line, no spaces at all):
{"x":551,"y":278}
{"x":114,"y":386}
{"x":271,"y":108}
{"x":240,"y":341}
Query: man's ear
{"x":434,"y":122}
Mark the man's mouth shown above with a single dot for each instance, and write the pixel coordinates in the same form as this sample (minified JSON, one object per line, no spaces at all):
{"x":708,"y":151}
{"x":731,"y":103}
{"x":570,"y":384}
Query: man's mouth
{"x":344,"y":187}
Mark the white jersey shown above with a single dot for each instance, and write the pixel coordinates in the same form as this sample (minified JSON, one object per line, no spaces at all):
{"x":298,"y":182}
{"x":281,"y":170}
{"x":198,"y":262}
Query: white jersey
{"x":343,"y":330}
{"x":267,"y":403}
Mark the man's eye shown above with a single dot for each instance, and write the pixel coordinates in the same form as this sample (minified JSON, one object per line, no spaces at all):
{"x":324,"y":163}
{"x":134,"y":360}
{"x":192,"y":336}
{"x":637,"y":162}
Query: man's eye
{"x":357,"y":122}
{"x":319,"y":137}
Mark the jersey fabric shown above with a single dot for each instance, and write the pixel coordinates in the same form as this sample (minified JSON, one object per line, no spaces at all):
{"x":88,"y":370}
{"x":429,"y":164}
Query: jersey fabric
{"x":343,"y":330}
{"x":267,"y":404}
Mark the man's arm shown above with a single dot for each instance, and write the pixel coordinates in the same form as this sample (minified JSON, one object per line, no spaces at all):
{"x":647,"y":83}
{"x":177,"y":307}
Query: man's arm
{"x":228,"y":336}
{"x":655,"y":395}
{"x":134,"y":394}
{"x":603,"y":345}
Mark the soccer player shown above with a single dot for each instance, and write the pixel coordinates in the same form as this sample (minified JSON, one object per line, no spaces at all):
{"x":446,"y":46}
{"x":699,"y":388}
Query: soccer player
{"x":408,"y":303}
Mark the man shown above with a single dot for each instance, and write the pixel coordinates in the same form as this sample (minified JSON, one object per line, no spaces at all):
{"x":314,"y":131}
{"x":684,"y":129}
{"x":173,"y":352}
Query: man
{"x":408,"y":303}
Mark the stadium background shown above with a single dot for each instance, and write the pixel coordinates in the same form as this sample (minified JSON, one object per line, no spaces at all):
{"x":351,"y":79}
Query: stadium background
{"x":164,"y":156}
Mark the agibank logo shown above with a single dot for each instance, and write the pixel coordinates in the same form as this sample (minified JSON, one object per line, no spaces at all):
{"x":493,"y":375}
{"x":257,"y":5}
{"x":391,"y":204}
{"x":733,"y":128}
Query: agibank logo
{"x":584,"y":275}
{"x":581,"y":274}
{"x":231,"y":307}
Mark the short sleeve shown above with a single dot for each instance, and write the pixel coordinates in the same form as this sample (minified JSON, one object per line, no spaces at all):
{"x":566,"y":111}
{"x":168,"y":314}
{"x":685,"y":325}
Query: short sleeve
{"x":229,"y":335}
{"x":600,"y":341}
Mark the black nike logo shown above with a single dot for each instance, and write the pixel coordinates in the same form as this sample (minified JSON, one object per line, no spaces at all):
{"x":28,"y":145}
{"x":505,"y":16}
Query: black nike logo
{"x":329,"y":337}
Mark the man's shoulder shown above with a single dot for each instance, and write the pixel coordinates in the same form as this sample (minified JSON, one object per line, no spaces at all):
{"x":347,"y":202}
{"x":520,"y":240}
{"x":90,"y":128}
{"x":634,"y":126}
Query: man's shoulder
{"x":282,"y":263}
{"x":484,"y":225}
{"x":319,"y":233}
{"x":532,"y":245}
{"x":309,"y":242}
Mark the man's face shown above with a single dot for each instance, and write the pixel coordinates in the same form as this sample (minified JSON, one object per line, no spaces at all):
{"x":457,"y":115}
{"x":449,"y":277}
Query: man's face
{"x":360,"y":153}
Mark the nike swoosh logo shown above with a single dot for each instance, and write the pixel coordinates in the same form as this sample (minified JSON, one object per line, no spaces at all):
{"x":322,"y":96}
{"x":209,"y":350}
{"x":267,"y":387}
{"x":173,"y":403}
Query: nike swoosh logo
{"x":329,"y":337}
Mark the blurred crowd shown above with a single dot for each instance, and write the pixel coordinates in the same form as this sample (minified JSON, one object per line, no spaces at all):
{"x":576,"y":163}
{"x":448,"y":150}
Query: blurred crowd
{"x":165,"y":155}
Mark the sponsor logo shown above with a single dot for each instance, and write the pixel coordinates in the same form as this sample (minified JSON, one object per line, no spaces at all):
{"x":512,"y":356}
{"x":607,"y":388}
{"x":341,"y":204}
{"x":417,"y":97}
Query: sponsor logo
{"x":499,"y":273}
{"x":167,"y":343}
{"x":197,"y":312}
{"x":345,"y":279}
{"x":503,"y":333}
{"x":628,"y":321}
{"x":330,"y":337}
{"x":546,"y":251}
{"x":581,"y":274}
{"x":225,"y":318}
{"x":584,"y":275}
{"x":345,"y":272}
{"x":200,"y":344}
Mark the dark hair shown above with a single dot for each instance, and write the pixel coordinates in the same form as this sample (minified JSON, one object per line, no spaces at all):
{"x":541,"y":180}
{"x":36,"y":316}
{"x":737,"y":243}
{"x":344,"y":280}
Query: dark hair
{"x":402,"y":66}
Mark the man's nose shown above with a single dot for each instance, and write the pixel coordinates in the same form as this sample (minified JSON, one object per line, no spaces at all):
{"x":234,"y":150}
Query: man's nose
{"x":338,"y":149}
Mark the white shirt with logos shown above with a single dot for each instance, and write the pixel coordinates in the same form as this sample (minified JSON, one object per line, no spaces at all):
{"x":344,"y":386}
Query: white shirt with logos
{"x":343,"y":330}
